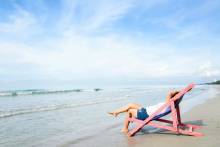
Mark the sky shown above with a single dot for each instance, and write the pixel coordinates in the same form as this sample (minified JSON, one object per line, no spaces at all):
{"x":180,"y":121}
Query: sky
{"x":77,"y":43}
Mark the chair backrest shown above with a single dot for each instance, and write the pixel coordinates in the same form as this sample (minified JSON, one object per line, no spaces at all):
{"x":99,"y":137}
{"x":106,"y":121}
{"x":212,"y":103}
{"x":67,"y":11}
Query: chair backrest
{"x":168,"y":109}
{"x":178,"y":98}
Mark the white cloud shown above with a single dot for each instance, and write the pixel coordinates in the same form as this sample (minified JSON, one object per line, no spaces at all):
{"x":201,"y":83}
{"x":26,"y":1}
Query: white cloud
{"x":106,"y":56}
{"x":21,"y":21}
{"x":89,"y":16}
{"x":208,"y":69}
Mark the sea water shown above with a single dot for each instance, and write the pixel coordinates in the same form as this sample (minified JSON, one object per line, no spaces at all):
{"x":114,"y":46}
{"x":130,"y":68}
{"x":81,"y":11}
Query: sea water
{"x":41,"y":117}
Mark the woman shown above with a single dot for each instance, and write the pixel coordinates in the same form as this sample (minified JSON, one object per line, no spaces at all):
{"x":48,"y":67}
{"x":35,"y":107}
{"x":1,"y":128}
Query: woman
{"x":138,"y":111}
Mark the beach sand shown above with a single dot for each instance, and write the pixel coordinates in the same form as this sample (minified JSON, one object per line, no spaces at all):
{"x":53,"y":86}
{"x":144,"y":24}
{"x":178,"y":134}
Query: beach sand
{"x":206,"y":114}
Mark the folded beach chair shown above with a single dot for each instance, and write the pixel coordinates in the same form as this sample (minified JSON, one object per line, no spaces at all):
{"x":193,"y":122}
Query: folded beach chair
{"x":171,"y":107}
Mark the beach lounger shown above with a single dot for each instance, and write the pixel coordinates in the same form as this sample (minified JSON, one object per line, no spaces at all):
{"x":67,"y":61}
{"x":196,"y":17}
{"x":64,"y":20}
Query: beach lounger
{"x":175,"y":124}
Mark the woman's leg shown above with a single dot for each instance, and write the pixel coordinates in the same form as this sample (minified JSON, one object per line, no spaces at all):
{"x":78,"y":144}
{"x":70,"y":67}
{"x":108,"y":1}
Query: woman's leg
{"x":125,"y":109}
{"x":131,"y":113}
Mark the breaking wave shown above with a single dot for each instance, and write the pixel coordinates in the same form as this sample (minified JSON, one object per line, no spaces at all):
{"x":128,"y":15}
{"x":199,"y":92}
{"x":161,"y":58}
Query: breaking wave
{"x":40,"y":91}
{"x":15,"y":112}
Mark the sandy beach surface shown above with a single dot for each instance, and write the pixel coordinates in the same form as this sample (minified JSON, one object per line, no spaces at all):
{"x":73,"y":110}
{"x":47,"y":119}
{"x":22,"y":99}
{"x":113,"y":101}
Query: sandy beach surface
{"x":206,"y":114}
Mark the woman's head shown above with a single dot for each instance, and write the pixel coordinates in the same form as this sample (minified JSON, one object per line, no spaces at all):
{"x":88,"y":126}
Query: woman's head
{"x":174,"y":93}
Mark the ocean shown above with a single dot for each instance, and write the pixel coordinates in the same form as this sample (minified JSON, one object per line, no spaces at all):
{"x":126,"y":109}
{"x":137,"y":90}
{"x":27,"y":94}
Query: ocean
{"x":78,"y":117}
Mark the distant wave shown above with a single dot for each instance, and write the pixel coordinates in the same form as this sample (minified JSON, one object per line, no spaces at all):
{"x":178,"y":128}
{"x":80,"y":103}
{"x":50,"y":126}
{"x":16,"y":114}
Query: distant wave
{"x":40,"y":91}
{"x":15,"y":112}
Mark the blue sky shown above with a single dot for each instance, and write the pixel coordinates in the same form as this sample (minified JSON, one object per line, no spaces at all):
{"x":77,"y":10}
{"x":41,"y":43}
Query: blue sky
{"x":47,"y":43}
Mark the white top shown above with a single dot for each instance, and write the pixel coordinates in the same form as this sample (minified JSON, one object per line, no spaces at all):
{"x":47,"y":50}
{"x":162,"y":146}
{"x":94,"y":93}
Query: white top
{"x":152,"y":109}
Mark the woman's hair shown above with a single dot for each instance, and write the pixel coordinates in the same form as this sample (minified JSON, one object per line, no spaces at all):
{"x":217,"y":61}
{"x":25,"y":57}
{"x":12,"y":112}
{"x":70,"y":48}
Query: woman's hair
{"x":174,"y":94}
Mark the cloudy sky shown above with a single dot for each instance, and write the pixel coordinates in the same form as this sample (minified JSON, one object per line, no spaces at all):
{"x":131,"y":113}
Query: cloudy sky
{"x":46,"y":43}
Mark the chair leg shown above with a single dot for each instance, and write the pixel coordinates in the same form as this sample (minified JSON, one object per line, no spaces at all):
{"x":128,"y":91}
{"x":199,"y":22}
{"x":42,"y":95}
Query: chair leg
{"x":190,"y":125}
{"x":190,"y":132}
{"x":178,"y":114}
{"x":174,"y":117}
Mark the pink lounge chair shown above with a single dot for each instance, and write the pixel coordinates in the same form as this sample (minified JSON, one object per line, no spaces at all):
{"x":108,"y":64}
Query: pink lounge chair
{"x":172,"y":107}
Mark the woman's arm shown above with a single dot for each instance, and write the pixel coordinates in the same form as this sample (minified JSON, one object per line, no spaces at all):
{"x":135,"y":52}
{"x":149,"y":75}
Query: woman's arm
{"x":171,"y":94}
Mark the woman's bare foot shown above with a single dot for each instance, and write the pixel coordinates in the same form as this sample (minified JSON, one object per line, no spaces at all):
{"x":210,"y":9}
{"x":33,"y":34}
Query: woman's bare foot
{"x":113,"y":113}
{"x":124,"y":130}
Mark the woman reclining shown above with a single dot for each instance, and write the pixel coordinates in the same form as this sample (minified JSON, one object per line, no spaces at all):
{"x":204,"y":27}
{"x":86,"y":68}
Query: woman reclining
{"x":138,"y":111}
